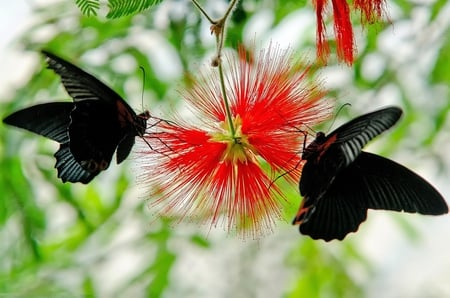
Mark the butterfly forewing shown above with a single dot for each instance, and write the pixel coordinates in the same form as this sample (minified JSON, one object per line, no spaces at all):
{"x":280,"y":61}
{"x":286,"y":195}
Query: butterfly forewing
{"x":79,"y":84}
{"x":355,"y":134}
{"x":49,"y":120}
{"x":327,"y":155}
{"x":384,"y":184}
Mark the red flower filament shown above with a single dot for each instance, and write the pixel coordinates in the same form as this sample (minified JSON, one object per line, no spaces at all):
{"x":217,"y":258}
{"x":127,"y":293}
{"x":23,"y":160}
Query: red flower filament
{"x":211,"y":172}
{"x":371,"y":11}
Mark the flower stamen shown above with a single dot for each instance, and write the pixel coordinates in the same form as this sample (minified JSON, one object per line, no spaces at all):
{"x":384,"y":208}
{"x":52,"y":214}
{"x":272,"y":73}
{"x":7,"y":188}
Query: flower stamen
{"x":221,"y":171}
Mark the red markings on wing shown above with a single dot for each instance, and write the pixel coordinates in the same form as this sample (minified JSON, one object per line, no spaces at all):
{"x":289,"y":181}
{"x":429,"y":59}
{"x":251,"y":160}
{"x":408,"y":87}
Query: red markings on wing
{"x":302,"y":213}
{"x":322,"y":149}
{"x":125,"y":117}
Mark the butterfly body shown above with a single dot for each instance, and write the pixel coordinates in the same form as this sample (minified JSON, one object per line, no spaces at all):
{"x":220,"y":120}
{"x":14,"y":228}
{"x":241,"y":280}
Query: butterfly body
{"x":90,"y":129}
{"x":340,"y":182}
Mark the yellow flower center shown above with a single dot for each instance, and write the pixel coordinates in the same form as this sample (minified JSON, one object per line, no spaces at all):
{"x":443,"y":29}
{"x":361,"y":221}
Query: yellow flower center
{"x":238,"y":148}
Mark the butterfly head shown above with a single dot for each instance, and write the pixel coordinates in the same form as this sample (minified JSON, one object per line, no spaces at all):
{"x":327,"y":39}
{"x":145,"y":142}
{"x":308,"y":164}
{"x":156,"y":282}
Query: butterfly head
{"x":140,"y":122}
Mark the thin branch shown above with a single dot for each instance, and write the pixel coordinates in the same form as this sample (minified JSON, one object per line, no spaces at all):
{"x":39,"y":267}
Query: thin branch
{"x":218,"y":29}
{"x":204,"y":13}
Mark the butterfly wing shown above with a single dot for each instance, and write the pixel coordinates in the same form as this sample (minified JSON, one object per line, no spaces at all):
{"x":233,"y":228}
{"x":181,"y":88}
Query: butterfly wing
{"x":328,"y":155}
{"x":81,"y":85}
{"x":50,"y":120}
{"x":351,"y":137}
{"x":94,"y":134}
{"x":385,"y":184}
{"x":69,"y":169}
{"x":89,"y":130}
{"x":127,"y":143}
{"x":101,"y":122}
{"x":370,"y":182}
{"x":124,"y":148}
{"x":343,"y":145}
{"x":333,"y":216}
{"x":329,"y":210}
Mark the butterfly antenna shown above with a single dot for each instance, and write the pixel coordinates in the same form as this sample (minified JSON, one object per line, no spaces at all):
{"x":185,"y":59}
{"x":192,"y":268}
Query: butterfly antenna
{"x":146,"y":115}
{"x":337,"y":113}
{"x":143,"y":86}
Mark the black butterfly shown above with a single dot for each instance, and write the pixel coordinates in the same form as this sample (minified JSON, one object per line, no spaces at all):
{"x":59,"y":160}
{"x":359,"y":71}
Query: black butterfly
{"x":339,"y":182}
{"x":89,"y":129}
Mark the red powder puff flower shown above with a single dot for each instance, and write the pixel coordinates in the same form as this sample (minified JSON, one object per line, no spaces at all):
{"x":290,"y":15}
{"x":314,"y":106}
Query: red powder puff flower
{"x":222,"y":168}
{"x":371,"y":11}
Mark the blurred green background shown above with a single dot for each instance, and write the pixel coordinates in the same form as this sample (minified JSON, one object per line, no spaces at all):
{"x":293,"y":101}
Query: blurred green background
{"x":101,"y":240}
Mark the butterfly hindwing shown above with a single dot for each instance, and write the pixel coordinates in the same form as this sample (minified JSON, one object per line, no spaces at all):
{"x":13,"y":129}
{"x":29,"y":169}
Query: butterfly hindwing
{"x":333,"y":217}
{"x":69,"y":170}
{"x":124,"y":148}
{"x":370,"y":182}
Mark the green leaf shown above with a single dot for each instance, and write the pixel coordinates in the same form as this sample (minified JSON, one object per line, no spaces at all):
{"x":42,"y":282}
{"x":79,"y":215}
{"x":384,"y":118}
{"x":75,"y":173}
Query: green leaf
{"x":89,"y":287}
{"x":200,"y":241}
{"x":437,"y":7}
{"x":120,"y":8}
{"x":440,"y":73}
{"x":88,"y":7}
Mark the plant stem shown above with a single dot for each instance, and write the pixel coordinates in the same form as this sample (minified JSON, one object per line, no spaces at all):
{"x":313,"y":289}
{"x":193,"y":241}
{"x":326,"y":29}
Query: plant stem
{"x":225,"y":101}
{"x":218,"y":28}
{"x":200,"y":8}
{"x":230,"y":8}
{"x":219,"y":45}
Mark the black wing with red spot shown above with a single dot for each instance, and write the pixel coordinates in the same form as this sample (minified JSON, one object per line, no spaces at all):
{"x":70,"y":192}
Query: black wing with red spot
{"x":340,"y":183}
{"x":326,"y":156}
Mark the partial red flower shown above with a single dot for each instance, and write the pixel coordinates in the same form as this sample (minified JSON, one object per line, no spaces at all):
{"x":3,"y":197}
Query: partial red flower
{"x":371,"y":11}
{"x":223,"y":172}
